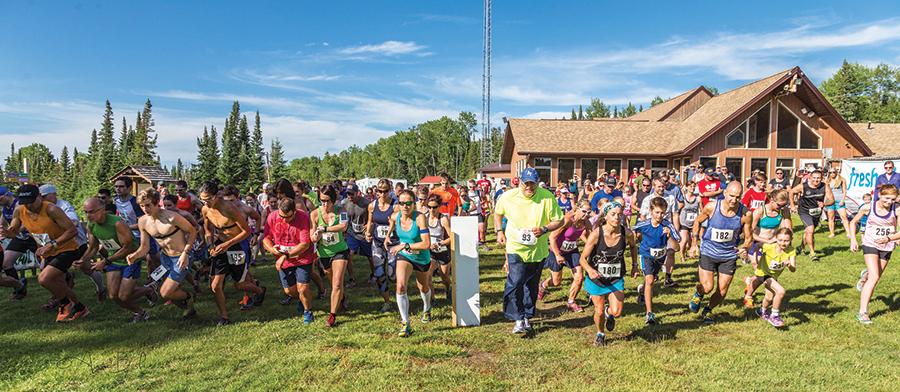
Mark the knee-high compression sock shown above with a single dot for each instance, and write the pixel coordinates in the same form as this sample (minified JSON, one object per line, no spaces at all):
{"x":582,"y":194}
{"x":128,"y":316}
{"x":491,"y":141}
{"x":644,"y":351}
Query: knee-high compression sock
{"x":98,"y":280}
{"x":11,"y":272}
{"x":426,"y":300}
{"x":403,"y":305}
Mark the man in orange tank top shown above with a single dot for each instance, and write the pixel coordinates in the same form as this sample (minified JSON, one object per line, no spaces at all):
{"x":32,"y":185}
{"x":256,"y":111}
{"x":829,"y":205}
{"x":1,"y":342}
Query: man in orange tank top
{"x":55,"y":236}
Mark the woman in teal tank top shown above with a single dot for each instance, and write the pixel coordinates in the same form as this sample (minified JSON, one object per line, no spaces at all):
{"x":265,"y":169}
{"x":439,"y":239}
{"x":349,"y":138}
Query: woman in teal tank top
{"x":412,"y":254}
{"x":766,"y":221}
{"x":330,"y":222}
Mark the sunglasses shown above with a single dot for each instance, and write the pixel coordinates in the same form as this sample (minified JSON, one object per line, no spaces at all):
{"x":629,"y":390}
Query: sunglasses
{"x":406,"y":203}
{"x":286,"y":217}
{"x":437,"y":206}
{"x":206,"y":201}
{"x":120,"y":186}
{"x":179,"y":189}
{"x":583,"y":211}
{"x":324,"y":200}
{"x":381,"y":191}
{"x":645,"y":185}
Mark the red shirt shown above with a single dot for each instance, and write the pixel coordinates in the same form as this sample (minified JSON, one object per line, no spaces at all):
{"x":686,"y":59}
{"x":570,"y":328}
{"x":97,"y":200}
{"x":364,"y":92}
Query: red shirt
{"x":450,"y":200}
{"x":754,"y":199}
{"x":185,"y":204}
{"x":284,"y":234}
{"x":485,"y":186}
{"x":707,"y":186}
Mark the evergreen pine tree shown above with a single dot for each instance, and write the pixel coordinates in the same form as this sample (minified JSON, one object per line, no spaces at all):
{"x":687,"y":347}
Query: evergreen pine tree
{"x":574,"y":116}
{"x":580,"y":113}
{"x":277,"y":165}
{"x":257,"y":164}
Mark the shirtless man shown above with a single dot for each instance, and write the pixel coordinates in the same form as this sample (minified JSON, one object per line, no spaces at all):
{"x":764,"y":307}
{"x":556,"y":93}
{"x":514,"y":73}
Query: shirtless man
{"x":164,"y":226}
{"x":227,"y":231}
{"x":170,"y":202}
{"x":121,"y":276}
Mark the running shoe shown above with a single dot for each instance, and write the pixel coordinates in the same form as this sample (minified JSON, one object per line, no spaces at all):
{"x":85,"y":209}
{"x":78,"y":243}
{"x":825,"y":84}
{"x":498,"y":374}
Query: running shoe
{"x":485,"y":247}
{"x":590,"y":302}
{"x":651,"y":318}
{"x":77,"y":314}
{"x":330,"y":321}
{"x":50,"y":305}
{"x":385,"y":308}
{"x":542,"y":292}
{"x":748,"y":302}
{"x":189,"y":310}
{"x":574,"y":306}
{"x":519,"y":328}
{"x":670,"y":283}
{"x":863,"y":318}
{"x":426,"y":316}
{"x":640,"y":294}
{"x":246,"y":303}
{"x":526,"y":323}
{"x":253,"y":263}
{"x":831,"y":235}
{"x":258,"y":298}
{"x":372,"y":279}
{"x":762,"y":313}
{"x":350,"y":283}
{"x":138,"y":317}
{"x":169,"y":302}
{"x":708,"y":317}
{"x":813,"y":257}
{"x":776,"y":321}
{"x":263,"y":261}
{"x":862,"y":280}
{"x":101,"y":295}
{"x":610,"y":322}
{"x":308,"y":317}
{"x":323,"y":294}
{"x":344,"y":307}
{"x":153,"y":296}
{"x":694,"y":304}
{"x":405,"y":330}
{"x":197,"y":288}
{"x":64,"y":311}
{"x":745,"y":261}
{"x":600,"y":341}
{"x":223,"y":321}
{"x":20,"y":293}
{"x":188,"y":314}
{"x":286,"y":301}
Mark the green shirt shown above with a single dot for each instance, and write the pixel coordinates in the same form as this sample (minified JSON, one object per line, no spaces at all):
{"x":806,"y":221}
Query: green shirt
{"x":106,"y":234}
{"x":331,"y":242}
{"x":526,"y":213}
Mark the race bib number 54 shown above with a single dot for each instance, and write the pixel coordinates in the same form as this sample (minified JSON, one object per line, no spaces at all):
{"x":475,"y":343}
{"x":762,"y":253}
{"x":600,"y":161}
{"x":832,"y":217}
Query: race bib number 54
{"x":526,"y":237}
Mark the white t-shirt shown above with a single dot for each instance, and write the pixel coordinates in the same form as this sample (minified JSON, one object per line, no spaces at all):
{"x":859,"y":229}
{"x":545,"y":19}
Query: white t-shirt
{"x":671,"y":209}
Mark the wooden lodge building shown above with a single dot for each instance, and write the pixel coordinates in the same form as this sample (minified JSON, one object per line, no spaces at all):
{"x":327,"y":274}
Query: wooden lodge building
{"x":781,"y":121}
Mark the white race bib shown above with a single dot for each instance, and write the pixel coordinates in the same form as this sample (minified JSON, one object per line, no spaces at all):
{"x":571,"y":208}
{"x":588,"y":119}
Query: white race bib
{"x":719,"y":235}
{"x":657,"y":253}
{"x":815,"y":211}
{"x":236,"y":257}
{"x":158,"y":273}
{"x":754,"y":204}
{"x":881,"y":231}
{"x":440,"y":248}
{"x":775,"y":266}
{"x":329,"y":239}
{"x":609,"y":270}
{"x":381,"y":231}
{"x":568,"y":246}
{"x":526,"y":237}
{"x":285,"y":248}
{"x":41,"y":239}
{"x":690,"y":216}
{"x":110,"y":245}
{"x":358,"y":227}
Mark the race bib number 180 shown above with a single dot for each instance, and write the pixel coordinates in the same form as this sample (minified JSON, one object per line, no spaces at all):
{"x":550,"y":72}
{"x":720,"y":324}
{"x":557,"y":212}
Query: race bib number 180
{"x":526,"y":237}
{"x":609,"y":270}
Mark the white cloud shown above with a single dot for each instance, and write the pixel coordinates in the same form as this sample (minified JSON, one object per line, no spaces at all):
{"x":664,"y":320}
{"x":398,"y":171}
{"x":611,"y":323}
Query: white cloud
{"x":386,"y":48}
{"x":548,"y":115}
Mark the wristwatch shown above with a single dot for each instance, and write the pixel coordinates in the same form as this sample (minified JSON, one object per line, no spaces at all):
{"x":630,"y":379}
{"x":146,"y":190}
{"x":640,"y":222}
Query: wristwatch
{"x":406,"y":247}
{"x":52,"y":242}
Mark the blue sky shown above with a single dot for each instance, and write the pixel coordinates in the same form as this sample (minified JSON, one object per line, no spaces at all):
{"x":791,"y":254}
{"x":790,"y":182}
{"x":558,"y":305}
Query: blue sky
{"x":326,"y":75}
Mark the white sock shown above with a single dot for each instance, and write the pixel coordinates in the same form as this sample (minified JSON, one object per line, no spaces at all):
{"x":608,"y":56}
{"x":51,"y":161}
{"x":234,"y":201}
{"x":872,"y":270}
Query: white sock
{"x":426,"y":298}
{"x":774,"y":312}
{"x":403,"y":306}
{"x":98,"y":280}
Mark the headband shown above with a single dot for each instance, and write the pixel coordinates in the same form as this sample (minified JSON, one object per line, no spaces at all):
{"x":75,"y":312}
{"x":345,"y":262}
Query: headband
{"x":610,"y":206}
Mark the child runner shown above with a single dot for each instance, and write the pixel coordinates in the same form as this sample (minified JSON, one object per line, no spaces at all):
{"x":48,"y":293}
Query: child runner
{"x":774,"y":258}
{"x":655,"y":232}
{"x":877,"y":243}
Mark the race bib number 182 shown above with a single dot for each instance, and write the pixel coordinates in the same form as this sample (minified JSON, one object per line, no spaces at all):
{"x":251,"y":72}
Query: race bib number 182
{"x":719,"y":235}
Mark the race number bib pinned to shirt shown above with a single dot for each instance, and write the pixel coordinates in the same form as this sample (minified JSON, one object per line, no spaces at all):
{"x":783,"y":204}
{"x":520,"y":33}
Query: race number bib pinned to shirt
{"x":881,"y":231}
{"x":381,"y":231}
{"x":41,"y":239}
{"x":440,"y":248}
{"x":754,"y":204}
{"x":721,"y":236}
{"x":110,"y":245}
{"x":526,"y":237}
{"x":285,"y":248}
{"x":609,"y":270}
{"x":815,"y":211}
{"x":329,"y":239}
{"x":568,"y":246}
{"x":657,"y":253}
{"x":358,"y":227}
{"x":236,"y":257}
{"x":776,"y":266}
{"x":158,"y":273}
{"x":690,"y":216}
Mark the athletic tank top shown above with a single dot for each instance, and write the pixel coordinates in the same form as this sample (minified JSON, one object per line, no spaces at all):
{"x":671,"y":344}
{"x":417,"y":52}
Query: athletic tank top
{"x":689,"y":213}
{"x":722,"y":234}
{"x":568,"y":241}
{"x":382,"y":220}
{"x":412,"y":236}
{"x":565,"y":207}
{"x":186,"y":204}
{"x":331,"y":242}
{"x":609,"y":261}
{"x":8,"y":214}
{"x":436,"y":232}
{"x":43,"y":229}
{"x":837,"y":190}
{"x":809,"y":201}
{"x":880,"y":226}
{"x":769,"y":222}
{"x":626,"y":210}
{"x":106,"y":234}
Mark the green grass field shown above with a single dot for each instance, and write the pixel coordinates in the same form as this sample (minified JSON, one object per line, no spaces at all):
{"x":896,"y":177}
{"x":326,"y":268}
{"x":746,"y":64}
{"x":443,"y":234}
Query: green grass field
{"x":822,"y":347}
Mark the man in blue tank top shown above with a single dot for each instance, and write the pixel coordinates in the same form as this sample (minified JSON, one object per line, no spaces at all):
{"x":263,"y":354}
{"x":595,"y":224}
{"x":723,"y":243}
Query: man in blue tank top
{"x":726,"y":220}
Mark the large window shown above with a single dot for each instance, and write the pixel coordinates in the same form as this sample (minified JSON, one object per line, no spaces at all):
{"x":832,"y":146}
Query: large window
{"x":565,"y":170}
{"x":752,"y":133}
{"x":544,"y":168}
{"x":709,"y":162}
{"x":657,"y":166}
{"x":635,"y":163}
{"x":589,"y":169}
{"x":761,"y":164}
{"x":793,"y":133}
{"x":735,"y":166}
{"x":613,"y":164}
{"x":786,"y":165}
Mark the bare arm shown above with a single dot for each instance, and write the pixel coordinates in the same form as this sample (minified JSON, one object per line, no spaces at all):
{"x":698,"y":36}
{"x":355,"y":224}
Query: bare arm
{"x":145,"y":241}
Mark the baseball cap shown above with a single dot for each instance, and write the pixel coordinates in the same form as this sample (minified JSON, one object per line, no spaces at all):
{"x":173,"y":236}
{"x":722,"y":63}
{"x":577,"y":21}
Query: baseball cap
{"x":634,"y":170}
{"x":564,"y":190}
{"x":693,"y":165}
{"x":352,"y":188}
{"x":267,"y":185}
{"x":611,"y":182}
{"x":502,"y":185}
{"x":3,"y":190}
{"x":161,"y":183}
{"x":810,"y":169}
{"x":709,"y":171}
{"x":529,"y":174}
{"x":47,"y":189}
{"x":613,"y":171}
{"x":28,"y":193}
{"x":672,"y":172}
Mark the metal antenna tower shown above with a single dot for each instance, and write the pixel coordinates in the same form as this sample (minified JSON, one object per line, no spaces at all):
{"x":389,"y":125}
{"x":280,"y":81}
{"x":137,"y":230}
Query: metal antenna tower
{"x":486,"y":147}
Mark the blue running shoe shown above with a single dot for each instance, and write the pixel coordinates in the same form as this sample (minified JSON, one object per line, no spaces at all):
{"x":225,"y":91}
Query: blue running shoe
{"x":707,"y":317}
{"x":694,"y":305}
{"x":308,"y":317}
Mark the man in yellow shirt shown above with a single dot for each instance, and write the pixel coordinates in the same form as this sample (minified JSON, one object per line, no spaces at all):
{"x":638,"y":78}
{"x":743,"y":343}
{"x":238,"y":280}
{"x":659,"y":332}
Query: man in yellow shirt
{"x":531,"y":212}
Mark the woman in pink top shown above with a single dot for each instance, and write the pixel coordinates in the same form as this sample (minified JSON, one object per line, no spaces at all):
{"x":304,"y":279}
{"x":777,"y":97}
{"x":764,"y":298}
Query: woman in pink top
{"x":564,"y":253}
{"x":877,"y":243}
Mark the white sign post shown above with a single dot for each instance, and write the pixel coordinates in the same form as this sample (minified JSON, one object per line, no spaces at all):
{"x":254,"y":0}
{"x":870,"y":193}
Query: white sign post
{"x":464,"y":265}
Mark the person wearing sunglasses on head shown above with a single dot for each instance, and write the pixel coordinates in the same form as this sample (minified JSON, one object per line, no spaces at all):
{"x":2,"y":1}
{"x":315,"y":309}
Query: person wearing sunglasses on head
{"x":330,"y":221}
{"x":380,"y":211}
{"x":839,"y":190}
{"x":413,"y":254}
{"x":564,"y":253}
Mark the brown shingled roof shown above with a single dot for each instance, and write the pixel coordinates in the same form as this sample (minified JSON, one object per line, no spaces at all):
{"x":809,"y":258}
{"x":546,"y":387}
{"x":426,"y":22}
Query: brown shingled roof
{"x":655,"y":113}
{"x":883,"y":139}
{"x":151,"y":174}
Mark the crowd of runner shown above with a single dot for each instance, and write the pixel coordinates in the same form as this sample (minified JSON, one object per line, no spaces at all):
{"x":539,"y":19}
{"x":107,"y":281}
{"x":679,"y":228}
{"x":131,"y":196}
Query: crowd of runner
{"x":584,"y":226}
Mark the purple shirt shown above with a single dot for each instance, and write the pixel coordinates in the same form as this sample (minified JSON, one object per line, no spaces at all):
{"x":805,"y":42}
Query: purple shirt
{"x":883,"y":179}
